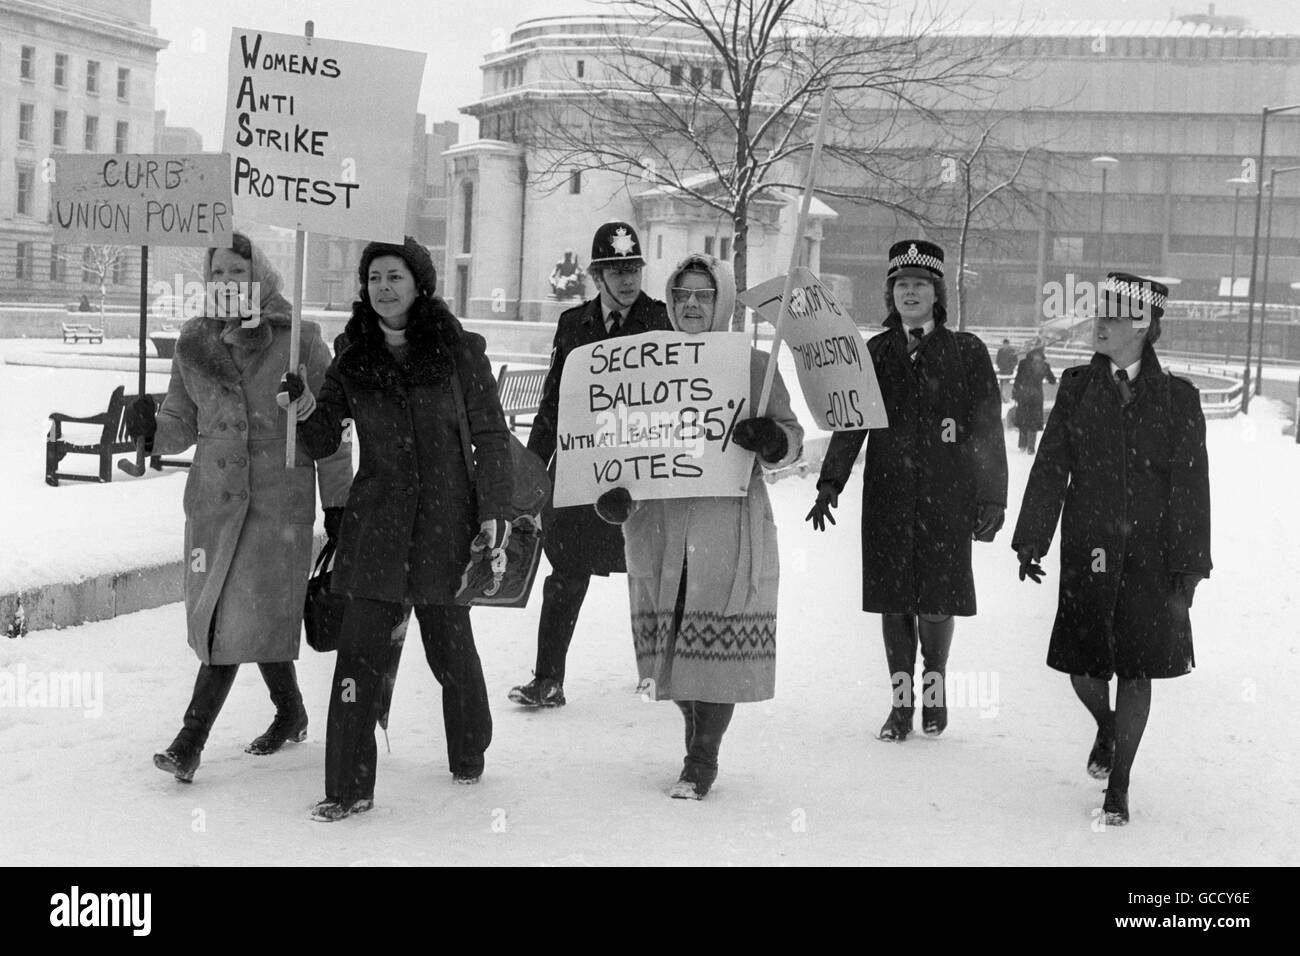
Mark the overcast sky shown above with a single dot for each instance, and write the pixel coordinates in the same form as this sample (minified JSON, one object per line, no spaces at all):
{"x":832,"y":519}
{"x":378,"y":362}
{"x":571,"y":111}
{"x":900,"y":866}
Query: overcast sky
{"x":456,"y":35}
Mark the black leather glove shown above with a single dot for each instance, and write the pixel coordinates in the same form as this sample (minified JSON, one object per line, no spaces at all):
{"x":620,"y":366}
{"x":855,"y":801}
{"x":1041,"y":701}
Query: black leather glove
{"x":140,"y":419}
{"x":1029,"y":556}
{"x":614,"y":505}
{"x":762,"y":436}
{"x":294,"y":389}
{"x":827,"y":498}
{"x":1185,"y":584}
{"x":988,"y":521}
{"x":333,"y":521}
{"x":294,"y":385}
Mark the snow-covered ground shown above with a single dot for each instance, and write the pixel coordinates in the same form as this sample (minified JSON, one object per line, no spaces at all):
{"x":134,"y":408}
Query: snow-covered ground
{"x":803,"y":780}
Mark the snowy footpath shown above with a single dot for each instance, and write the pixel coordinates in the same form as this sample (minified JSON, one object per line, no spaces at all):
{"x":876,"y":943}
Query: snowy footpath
{"x":803,"y":781}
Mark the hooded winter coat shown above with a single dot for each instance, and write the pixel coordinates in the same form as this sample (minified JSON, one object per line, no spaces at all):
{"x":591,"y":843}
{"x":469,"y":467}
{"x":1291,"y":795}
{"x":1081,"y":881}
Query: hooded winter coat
{"x":412,"y":511}
{"x":248,"y":519}
{"x":1027,"y":392}
{"x":925,"y":476}
{"x":1134,"y":483}
{"x":724,"y":649}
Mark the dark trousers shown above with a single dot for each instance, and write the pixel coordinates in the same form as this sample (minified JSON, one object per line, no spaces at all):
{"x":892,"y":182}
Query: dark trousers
{"x":367,"y":650}
{"x":562,"y":597}
{"x":211,"y":687}
{"x":1028,"y":439}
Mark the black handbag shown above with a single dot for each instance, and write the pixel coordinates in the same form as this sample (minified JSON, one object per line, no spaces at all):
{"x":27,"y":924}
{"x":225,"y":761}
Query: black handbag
{"x":485,"y":582}
{"x":322,"y":612}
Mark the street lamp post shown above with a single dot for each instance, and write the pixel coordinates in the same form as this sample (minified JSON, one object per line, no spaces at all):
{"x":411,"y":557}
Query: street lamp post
{"x":1254,"y":247}
{"x":1105,"y":162}
{"x":1236,"y":183}
{"x":1263,"y":291}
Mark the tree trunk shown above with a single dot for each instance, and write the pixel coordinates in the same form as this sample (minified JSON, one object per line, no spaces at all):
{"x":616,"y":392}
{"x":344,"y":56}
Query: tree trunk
{"x":961,"y":257}
{"x":740,"y":261}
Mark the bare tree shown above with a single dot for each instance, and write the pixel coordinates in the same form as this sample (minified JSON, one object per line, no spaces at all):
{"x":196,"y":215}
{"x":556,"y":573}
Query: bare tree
{"x":715,"y":101}
{"x":102,"y":261}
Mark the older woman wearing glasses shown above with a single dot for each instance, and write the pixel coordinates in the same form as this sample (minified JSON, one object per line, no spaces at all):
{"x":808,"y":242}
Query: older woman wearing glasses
{"x":703,"y":572}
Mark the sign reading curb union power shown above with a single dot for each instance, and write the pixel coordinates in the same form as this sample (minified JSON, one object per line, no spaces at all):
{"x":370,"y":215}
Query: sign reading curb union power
{"x":835,"y":371}
{"x":321,"y":133}
{"x":148,"y":200}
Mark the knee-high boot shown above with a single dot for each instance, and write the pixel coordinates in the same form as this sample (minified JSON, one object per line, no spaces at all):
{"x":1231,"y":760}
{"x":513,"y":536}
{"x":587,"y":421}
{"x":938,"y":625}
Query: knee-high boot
{"x":211,"y":688}
{"x":900,"y":654}
{"x":936,"y":639}
{"x":290,"y":721}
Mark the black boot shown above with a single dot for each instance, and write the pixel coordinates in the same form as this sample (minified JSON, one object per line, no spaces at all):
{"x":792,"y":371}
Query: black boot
{"x":900,"y":655}
{"x":290,"y":721}
{"x":211,"y":687}
{"x":936,"y":639}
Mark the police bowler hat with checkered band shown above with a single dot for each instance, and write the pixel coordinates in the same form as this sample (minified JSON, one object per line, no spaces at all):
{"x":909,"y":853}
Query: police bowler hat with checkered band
{"x":1129,"y":296}
{"x":915,"y":257}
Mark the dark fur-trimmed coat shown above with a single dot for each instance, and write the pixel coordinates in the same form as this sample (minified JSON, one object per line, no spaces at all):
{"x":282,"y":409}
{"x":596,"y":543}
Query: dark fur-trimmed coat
{"x":1135,"y":488}
{"x":248,"y":519}
{"x":941,"y":457}
{"x":412,"y":512}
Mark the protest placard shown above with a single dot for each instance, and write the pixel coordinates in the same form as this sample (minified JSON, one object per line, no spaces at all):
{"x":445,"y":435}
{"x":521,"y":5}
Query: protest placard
{"x":835,"y":371}
{"x":142,"y":200}
{"x":653,"y":413}
{"x":322,"y":133}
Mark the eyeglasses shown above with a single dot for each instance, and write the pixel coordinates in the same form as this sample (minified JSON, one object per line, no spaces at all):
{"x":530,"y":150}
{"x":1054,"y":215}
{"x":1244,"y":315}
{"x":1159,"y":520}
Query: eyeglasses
{"x":624,"y":270}
{"x":702,"y":296}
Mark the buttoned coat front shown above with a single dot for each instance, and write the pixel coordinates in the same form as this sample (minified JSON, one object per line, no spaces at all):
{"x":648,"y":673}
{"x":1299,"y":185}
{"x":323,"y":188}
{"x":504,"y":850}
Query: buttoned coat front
{"x":248,"y":519}
{"x":1133,"y":481}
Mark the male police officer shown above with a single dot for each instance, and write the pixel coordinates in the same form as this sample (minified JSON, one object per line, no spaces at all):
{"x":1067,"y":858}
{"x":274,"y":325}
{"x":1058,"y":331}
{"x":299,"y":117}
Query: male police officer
{"x":578,"y":543}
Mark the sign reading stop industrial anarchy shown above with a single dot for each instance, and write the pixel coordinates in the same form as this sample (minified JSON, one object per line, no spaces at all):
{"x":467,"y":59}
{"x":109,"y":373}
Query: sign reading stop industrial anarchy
{"x":835,"y":371}
{"x":143,"y":200}
{"x":653,"y":413}
{"x":322,"y":133}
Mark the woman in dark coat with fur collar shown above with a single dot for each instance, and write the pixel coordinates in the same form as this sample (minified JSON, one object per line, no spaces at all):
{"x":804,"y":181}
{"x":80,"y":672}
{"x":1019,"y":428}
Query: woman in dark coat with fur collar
{"x":248,"y":519}
{"x":407,"y":529}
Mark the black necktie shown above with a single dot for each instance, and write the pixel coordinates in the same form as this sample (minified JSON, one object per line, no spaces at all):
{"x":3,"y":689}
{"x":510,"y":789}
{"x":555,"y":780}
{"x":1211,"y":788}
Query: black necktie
{"x":914,"y":337}
{"x":1125,"y":390}
{"x":615,"y":322}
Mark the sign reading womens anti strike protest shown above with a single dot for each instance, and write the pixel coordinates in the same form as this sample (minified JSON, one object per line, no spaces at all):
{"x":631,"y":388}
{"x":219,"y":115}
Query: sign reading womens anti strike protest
{"x":653,"y":413}
{"x":835,"y":371}
{"x":149,"y":200}
{"x":321,"y":133}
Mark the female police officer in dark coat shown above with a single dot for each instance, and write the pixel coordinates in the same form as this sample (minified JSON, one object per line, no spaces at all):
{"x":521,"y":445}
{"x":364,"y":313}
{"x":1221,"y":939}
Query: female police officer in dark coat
{"x":406,"y":532}
{"x":933,"y":480}
{"x":1124,"y":452}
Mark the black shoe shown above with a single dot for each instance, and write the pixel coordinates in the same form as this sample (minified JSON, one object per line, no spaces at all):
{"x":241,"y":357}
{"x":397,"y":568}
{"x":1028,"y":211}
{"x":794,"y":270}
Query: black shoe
{"x":1115,"y":807}
{"x":898,"y":726}
{"x":331,"y":811}
{"x":180,"y":760}
{"x":934,"y":720}
{"x":693,"y":784}
{"x":1102,"y":757}
{"x":469,"y":772}
{"x":283,"y":728}
{"x":539,"y":692}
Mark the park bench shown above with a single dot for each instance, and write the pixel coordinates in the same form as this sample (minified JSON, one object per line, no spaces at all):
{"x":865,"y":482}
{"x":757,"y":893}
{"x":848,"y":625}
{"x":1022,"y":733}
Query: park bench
{"x":520,"y":391}
{"x":112,"y":441}
{"x":74,"y":332}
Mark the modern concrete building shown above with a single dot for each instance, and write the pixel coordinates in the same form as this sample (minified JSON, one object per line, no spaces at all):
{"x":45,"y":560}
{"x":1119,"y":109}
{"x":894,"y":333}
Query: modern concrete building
{"x":1175,"y":103}
{"x":514,"y":214}
{"x":75,"y":76}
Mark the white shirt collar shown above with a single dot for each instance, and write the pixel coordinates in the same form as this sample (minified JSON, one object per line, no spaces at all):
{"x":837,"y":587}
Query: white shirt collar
{"x":1132,"y":370}
{"x":606,"y":313}
{"x":926,"y":329}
